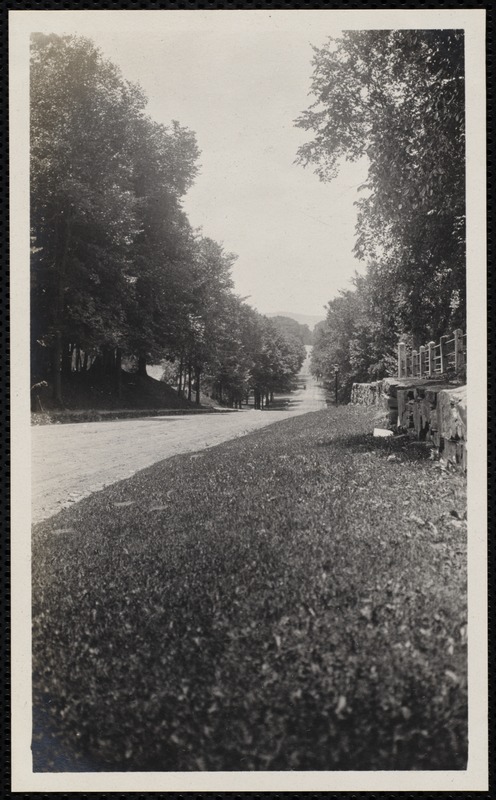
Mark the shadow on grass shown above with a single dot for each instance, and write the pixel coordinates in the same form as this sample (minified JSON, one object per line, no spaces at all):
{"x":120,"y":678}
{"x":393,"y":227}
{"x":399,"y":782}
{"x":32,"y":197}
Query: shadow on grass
{"x":284,"y":403}
{"x":402,"y":446}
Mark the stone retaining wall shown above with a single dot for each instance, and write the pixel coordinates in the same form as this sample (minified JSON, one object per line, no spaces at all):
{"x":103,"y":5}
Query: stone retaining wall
{"x":431,"y":411}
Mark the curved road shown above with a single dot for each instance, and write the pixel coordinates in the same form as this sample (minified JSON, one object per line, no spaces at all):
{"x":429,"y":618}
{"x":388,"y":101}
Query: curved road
{"x":71,"y":461}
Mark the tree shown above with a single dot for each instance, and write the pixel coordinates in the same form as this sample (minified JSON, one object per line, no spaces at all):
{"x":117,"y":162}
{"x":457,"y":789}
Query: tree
{"x":358,"y":338}
{"x":83,"y":209}
{"x":111,"y":245}
{"x":333,"y":342}
{"x":397,"y":98}
{"x":291,"y":327}
{"x":163,"y":250}
{"x":277,"y":359}
{"x":117,"y":270}
{"x":211,"y":303}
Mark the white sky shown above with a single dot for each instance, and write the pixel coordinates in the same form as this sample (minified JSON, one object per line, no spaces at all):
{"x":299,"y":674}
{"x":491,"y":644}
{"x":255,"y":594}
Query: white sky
{"x":239,"y":79}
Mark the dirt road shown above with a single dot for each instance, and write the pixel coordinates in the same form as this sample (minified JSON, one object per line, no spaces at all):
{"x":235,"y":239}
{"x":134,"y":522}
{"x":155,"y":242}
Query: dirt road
{"x":72,"y":461}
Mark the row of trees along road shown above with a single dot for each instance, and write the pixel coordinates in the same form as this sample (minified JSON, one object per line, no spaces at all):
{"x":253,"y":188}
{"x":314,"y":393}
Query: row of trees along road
{"x":395,"y":98}
{"x":117,"y":270}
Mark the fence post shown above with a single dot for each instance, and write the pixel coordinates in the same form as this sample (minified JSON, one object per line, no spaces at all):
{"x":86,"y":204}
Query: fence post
{"x":431,"y":355}
{"x":458,"y":336}
{"x":444,"y":354}
{"x":422,"y":361}
{"x":401,"y":359}
{"x":414,"y":364}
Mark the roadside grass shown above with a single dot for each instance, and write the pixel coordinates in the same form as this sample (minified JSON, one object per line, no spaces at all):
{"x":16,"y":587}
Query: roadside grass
{"x":291,"y":600}
{"x":89,"y":396}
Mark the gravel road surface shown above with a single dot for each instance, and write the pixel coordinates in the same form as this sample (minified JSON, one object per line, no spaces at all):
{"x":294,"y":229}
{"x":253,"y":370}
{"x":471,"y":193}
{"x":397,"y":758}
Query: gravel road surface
{"x":71,"y":461}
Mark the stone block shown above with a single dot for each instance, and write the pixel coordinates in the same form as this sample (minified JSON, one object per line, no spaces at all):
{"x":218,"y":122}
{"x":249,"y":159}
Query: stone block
{"x":431,"y":411}
{"x":364,"y":394}
{"x":452,"y":413}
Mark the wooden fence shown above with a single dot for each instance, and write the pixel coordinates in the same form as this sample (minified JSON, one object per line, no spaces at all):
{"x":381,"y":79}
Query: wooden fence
{"x":432,"y":360}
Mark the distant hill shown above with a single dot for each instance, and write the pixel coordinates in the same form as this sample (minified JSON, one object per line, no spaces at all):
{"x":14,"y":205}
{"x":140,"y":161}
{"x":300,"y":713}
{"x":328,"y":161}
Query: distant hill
{"x":304,"y":319}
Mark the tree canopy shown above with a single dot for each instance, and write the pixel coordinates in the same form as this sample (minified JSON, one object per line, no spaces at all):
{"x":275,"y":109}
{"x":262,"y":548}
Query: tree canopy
{"x":117,"y":272}
{"x":291,"y":327}
{"x":397,"y":98}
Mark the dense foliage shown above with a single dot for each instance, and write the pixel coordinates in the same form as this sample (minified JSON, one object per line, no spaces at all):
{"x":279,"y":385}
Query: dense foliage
{"x":397,"y":98}
{"x":118,"y":274}
{"x":269,"y":603}
{"x":293,"y":328}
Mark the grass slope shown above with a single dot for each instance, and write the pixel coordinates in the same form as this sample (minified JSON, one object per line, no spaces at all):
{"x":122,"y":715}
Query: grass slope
{"x":294,"y":599}
{"x":89,"y":390}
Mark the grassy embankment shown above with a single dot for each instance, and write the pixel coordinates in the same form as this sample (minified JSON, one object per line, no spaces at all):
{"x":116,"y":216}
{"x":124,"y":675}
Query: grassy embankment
{"x":291,"y":600}
{"x":88,"y":397}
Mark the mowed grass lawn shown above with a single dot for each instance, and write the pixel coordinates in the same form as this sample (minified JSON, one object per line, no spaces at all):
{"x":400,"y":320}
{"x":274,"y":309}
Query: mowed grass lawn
{"x":291,"y":600}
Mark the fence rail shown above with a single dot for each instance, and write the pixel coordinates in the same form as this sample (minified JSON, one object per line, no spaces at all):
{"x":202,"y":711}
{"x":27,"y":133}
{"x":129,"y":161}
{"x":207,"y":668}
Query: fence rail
{"x":432,"y":359}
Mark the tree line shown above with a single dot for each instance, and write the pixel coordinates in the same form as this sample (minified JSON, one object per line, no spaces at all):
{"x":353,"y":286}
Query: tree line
{"x":117,"y":271}
{"x":396,"y":98}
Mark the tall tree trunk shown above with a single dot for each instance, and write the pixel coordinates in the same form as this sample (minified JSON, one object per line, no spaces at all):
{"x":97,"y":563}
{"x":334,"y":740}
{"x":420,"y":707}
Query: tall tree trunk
{"x":56,"y":367}
{"x":190,"y":377}
{"x":61,"y":269}
{"x":118,"y":372}
{"x":85,"y":361}
{"x":197,"y":378}
{"x":142,"y":366}
{"x":109,"y":360}
{"x":66,"y":362}
{"x":180,"y":380}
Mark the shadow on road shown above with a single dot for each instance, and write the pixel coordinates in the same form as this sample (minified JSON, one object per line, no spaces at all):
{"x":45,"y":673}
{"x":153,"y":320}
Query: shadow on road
{"x":177,"y":418}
